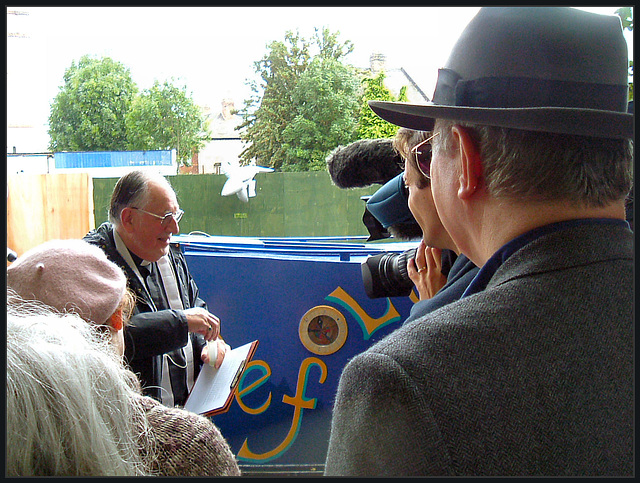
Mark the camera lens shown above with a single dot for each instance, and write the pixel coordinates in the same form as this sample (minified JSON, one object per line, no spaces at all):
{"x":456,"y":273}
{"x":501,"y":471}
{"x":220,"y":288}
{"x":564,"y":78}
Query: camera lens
{"x":386,"y":275}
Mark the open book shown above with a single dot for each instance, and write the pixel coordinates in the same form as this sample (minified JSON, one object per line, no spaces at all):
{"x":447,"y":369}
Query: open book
{"x":214,"y":389}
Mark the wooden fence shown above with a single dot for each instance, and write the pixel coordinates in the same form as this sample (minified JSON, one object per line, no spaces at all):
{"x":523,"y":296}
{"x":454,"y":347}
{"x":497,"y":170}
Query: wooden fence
{"x":42,"y":207}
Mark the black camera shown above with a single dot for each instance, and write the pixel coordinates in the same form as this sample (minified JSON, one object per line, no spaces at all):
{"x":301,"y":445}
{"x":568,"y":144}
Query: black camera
{"x":387,"y":214}
{"x":386,"y":275}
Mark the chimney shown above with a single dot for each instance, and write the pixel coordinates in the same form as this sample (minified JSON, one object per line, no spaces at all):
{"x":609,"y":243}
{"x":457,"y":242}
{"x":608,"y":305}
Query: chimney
{"x":227,"y":108}
{"x":377,"y":62}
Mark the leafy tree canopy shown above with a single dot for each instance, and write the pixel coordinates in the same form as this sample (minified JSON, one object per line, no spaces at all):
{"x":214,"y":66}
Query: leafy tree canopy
{"x":165,"y":117}
{"x":266,"y":115}
{"x":370,"y":125}
{"x":326,"y":106}
{"x":98,"y":109}
{"x":88,"y":113}
{"x":308,"y":104}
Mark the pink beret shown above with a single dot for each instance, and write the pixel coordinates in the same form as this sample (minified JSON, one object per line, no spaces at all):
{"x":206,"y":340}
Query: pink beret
{"x":69,"y":275}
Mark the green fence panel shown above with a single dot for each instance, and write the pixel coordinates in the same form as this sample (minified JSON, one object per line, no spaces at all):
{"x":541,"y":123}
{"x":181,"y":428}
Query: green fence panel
{"x":287,"y":204}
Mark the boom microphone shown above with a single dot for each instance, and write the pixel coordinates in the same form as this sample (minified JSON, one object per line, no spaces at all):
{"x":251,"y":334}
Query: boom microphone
{"x":363,"y":163}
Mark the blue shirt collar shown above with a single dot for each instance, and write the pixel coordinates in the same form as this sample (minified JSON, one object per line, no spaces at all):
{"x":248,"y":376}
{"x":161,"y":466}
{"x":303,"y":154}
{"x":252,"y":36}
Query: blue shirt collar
{"x":484,"y":275}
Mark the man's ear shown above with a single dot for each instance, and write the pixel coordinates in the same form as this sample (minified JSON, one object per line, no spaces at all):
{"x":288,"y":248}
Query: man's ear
{"x":126,"y":219}
{"x":471,"y":164}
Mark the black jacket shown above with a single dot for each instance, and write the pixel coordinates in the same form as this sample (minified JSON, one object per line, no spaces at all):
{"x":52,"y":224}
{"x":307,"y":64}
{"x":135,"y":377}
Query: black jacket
{"x":150,"y":334}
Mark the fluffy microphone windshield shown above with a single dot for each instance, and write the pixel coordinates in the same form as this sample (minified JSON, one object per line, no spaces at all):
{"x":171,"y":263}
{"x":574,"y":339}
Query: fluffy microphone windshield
{"x":363,"y":163}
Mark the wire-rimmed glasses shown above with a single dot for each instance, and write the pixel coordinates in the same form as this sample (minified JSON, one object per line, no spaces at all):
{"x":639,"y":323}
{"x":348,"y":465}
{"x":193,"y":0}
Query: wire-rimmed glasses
{"x":166,"y":218}
{"x":422,"y":156}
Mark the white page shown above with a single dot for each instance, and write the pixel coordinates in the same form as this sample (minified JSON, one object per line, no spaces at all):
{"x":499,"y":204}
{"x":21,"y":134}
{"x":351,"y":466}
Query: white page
{"x":213,"y":386}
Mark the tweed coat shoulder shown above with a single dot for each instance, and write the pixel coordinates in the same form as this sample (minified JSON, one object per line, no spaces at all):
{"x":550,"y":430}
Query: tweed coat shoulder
{"x":182,"y":443}
{"x":532,"y":376}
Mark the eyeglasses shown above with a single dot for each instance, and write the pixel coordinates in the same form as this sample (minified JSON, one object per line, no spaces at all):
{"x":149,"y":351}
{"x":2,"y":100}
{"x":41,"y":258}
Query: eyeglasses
{"x":422,"y":156}
{"x":166,"y":218}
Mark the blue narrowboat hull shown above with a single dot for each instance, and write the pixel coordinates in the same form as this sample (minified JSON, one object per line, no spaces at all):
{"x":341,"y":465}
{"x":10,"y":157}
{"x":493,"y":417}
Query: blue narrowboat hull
{"x":304,"y":300}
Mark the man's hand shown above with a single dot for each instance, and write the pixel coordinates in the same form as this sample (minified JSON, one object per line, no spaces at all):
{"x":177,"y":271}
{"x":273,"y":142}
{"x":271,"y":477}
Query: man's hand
{"x":222,"y":349}
{"x":203,"y":322}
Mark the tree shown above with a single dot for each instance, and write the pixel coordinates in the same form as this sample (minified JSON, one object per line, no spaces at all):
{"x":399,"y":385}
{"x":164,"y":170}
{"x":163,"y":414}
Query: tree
{"x":166,"y":117}
{"x":88,"y":114}
{"x":266,"y":115}
{"x":326,"y":103}
{"x":370,"y":125}
{"x":309,"y":105}
{"x":98,"y":109}
{"x":329,"y":45}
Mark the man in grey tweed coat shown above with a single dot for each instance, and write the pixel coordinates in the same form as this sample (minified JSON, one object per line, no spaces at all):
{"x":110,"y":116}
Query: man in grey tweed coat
{"x":531,"y":371}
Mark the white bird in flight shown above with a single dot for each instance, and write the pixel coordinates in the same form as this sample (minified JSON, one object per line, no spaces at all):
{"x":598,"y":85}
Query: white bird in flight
{"x":240,"y":180}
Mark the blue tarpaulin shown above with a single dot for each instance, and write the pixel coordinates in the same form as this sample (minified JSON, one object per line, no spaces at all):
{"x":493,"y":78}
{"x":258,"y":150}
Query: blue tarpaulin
{"x":112,"y":159}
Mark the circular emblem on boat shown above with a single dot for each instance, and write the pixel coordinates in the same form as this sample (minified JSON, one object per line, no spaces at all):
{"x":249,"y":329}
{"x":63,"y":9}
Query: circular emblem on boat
{"x":323,"y":330}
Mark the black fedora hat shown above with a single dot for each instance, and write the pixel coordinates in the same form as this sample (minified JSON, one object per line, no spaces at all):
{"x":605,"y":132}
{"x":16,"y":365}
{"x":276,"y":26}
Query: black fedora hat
{"x":551,"y":69}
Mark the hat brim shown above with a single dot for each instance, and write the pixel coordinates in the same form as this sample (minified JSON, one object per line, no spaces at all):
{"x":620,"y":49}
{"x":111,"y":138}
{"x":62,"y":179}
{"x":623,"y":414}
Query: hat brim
{"x":582,"y":122}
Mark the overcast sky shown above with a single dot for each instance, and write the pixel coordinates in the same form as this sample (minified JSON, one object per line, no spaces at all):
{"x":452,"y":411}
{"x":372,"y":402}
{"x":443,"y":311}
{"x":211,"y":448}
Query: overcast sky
{"x":212,"y":49}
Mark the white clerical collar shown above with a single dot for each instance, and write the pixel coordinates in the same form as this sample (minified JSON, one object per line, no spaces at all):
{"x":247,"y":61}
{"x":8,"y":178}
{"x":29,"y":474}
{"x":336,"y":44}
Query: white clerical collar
{"x":124,"y":251}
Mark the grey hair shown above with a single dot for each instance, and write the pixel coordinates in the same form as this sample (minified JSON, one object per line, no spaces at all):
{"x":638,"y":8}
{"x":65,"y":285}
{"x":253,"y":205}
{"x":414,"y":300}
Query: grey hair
{"x":132,"y":189}
{"x":69,"y":399}
{"x":533,"y":166}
